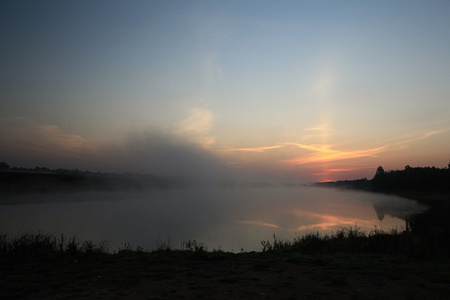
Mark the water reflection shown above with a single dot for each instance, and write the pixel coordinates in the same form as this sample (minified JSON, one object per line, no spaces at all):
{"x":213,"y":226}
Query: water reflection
{"x":327,"y":210}
{"x":394,"y":208}
{"x":229,"y":219}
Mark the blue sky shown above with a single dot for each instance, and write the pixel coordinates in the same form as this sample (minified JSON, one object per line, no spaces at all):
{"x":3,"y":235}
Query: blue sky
{"x":312,"y":90}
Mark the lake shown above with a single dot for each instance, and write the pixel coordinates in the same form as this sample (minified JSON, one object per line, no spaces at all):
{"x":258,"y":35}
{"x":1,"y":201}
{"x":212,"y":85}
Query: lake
{"x":230,"y":219}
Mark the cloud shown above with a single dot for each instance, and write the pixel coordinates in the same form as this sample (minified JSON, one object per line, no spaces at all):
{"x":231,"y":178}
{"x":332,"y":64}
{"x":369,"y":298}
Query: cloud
{"x":197,"y":126}
{"x":254,"y":149}
{"x":213,"y":29}
{"x":22,"y":137}
{"x":185,"y":151}
{"x":320,"y":152}
{"x":163,"y":153}
{"x":435,"y":132}
{"x":404,"y":142}
{"x":325,"y":153}
{"x":259,"y":223}
{"x":26,"y":143}
{"x":321,"y":128}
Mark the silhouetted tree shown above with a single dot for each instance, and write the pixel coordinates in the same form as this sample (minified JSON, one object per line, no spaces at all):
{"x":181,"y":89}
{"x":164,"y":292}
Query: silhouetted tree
{"x":4,"y":166}
{"x":380,"y":172}
{"x":378,"y":179}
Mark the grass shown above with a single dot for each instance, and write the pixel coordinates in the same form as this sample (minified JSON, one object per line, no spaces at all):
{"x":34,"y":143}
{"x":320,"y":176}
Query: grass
{"x":46,"y":246}
{"x":353,"y":240}
{"x":350,"y":240}
{"x":347,"y":239}
{"x":40,"y":264}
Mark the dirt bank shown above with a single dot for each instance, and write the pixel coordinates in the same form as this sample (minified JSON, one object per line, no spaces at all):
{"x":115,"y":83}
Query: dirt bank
{"x":181,"y":275}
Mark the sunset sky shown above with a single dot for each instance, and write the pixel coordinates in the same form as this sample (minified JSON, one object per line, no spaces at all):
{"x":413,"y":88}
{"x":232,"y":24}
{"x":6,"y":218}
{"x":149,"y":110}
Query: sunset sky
{"x":305,"y":90}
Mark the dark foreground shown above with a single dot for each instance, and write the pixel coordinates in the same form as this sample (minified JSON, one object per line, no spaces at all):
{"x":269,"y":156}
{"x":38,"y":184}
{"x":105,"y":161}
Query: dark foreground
{"x":216,"y":275}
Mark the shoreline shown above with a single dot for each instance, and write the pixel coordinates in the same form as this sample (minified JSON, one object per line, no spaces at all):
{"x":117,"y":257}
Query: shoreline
{"x":221,"y":275}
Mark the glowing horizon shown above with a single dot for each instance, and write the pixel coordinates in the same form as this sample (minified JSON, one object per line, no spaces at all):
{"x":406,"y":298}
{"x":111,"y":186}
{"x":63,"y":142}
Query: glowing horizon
{"x":303,"y":91}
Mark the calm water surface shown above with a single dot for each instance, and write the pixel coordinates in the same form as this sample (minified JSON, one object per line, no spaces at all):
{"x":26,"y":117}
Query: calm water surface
{"x":230,"y":219}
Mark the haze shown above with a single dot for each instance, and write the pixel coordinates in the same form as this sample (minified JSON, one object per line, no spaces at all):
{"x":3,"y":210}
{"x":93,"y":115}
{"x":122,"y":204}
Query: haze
{"x":305,"y":90}
{"x":229,"y":218}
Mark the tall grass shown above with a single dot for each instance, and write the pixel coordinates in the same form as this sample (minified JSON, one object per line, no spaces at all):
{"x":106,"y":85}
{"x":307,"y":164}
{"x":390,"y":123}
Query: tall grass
{"x":409,"y":243}
{"x":194,"y":246}
{"x":355,"y":240}
{"x":41,"y":246}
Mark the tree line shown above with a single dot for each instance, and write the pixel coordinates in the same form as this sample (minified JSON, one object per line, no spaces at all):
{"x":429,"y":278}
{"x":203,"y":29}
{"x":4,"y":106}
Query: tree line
{"x":412,"y":178}
{"x":45,"y":180}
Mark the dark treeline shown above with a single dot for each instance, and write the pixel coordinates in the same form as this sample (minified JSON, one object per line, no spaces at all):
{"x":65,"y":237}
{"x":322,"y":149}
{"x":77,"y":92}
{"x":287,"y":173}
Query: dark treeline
{"x":45,"y":180}
{"x":409,"y":179}
{"x":417,"y":179}
{"x":429,"y":231}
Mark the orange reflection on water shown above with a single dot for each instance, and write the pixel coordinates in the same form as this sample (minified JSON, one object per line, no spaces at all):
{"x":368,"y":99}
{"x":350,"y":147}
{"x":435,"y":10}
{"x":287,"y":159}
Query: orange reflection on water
{"x":313,"y":221}
{"x":327,"y":222}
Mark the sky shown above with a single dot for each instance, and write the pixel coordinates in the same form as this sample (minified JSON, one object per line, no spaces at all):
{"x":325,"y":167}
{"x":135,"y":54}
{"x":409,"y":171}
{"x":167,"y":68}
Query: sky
{"x":300,"y":90}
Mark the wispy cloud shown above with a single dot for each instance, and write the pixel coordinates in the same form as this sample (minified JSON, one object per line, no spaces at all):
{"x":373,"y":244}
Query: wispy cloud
{"x":321,"y":131}
{"x":253,"y":149}
{"x":325,"y":153}
{"x":197,"y":126}
{"x":265,"y":148}
{"x":22,"y":135}
{"x":319,"y":152}
{"x":435,"y":132}
{"x":259,"y":223}
{"x":321,"y":128}
{"x":316,"y":153}
{"x":403,"y":142}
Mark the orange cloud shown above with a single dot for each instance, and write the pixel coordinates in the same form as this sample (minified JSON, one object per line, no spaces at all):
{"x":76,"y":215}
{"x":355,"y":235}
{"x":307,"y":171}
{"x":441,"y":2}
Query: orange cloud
{"x":325,"y":153}
{"x":339,"y":170}
{"x":259,"y":223}
{"x":322,"y":152}
{"x":254,"y":149}
{"x":277,"y":146}
{"x":336,"y":173}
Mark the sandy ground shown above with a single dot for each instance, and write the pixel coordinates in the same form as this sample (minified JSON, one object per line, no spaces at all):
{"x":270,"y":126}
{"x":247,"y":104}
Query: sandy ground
{"x":224,"y":276}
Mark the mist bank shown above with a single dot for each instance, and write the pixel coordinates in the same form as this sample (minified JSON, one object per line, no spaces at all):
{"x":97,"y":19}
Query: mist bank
{"x":18,"y":180}
{"x":22,"y":181}
{"x":164,"y":153}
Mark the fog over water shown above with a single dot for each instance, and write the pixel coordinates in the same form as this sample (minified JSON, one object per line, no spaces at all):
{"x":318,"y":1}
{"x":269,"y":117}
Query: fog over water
{"x":227,"y":218}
